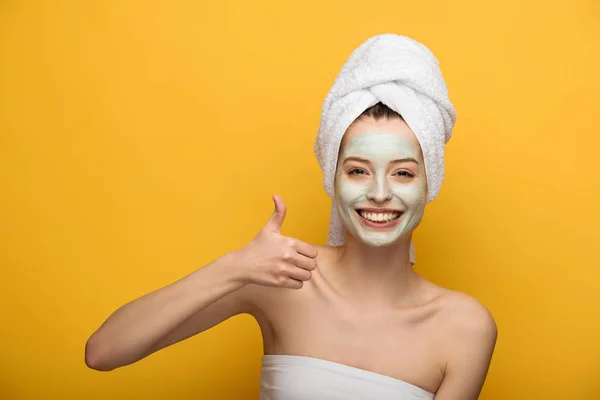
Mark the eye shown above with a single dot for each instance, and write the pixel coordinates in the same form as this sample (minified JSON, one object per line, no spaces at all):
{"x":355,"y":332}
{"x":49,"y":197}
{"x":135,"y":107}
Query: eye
{"x":357,"y":171}
{"x":404,"y":174}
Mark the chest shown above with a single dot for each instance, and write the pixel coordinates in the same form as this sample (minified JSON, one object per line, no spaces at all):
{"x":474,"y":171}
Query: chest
{"x":403,"y":345}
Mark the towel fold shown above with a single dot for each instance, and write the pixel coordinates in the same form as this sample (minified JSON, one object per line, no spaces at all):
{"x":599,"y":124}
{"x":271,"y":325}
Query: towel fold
{"x":404,"y":75}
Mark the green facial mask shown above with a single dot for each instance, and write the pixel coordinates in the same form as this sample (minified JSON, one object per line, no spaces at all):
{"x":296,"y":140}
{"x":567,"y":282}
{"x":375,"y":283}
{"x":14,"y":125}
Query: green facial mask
{"x":380,"y":184}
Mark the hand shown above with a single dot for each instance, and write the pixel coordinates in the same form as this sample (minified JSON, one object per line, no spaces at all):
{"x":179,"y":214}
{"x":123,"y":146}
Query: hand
{"x":271,"y":259}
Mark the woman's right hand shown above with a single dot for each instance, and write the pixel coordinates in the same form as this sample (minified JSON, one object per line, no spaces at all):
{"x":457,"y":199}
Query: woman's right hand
{"x":271,"y":259}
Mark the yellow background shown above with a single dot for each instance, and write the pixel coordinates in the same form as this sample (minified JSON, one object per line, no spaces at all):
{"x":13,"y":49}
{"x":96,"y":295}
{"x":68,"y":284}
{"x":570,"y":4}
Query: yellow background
{"x":140,"y":140}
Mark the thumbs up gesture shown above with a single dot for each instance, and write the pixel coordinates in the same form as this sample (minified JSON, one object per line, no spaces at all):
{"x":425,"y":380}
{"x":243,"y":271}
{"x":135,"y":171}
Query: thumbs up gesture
{"x":271,"y":259}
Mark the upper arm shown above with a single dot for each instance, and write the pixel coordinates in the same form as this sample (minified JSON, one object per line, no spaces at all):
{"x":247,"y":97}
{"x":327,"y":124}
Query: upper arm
{"x":241,"y":301}
{"x":472,"y":339}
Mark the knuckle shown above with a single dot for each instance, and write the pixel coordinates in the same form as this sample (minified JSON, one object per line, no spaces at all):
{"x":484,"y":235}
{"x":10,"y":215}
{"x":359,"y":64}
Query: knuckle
{"x":281,"y":268}
{"x":280,"y":280}
{"x":287,"y":255}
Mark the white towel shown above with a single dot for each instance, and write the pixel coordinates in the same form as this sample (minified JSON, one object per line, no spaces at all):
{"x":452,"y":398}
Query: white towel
{"x":404,"y":75}
{"x":288,"y":377}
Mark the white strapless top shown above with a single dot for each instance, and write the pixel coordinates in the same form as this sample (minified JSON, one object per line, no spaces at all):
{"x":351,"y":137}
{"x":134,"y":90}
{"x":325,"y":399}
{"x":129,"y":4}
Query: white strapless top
{"x":286,"y":377}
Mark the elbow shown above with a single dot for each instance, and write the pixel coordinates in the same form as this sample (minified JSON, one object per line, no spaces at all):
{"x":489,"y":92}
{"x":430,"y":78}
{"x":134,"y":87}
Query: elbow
{"x":96,"y":356}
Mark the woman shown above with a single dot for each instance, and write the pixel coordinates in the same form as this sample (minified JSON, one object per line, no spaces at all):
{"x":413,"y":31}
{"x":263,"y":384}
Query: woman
{"x":353,"y":321}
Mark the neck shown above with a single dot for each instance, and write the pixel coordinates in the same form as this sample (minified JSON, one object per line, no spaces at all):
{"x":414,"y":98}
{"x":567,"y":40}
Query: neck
{"x":375,"y":275}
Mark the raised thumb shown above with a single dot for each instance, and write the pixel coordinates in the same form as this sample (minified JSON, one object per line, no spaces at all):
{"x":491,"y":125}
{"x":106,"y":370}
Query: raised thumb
{"x":276,"y":220}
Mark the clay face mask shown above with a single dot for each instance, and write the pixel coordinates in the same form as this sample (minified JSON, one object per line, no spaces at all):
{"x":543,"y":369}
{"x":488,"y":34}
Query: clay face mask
{"x":380,"y":199}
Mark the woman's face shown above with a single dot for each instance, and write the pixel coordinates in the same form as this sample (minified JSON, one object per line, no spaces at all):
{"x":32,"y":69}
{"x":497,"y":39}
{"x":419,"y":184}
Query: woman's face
{"x":380,"y":183}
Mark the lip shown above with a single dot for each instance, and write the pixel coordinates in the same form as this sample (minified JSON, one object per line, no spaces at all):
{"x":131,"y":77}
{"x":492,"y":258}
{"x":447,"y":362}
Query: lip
{"x":377,"y":225}
{"x":379,"y":210}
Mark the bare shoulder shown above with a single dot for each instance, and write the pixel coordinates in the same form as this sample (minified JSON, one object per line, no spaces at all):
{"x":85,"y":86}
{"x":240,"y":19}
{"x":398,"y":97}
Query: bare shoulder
{"x":469,"y":335}
{"x":465,"y":319}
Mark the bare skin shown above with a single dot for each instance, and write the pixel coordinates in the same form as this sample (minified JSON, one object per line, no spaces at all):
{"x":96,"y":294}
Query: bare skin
{"x":421,"y":337}
{"x":356,"y":305}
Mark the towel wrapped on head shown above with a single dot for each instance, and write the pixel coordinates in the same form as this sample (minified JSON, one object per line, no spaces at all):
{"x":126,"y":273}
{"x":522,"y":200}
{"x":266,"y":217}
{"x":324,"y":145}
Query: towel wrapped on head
{"x":404,"y":75}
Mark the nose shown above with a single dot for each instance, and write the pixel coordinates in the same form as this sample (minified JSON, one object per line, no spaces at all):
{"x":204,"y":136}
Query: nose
{"x":380,"y":192}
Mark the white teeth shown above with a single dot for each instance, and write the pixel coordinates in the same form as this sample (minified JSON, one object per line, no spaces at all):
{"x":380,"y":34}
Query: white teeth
{"x":379,"y":217}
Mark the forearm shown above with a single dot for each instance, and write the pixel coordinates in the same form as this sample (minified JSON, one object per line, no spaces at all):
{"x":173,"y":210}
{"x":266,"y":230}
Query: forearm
{"x":130,"y":332}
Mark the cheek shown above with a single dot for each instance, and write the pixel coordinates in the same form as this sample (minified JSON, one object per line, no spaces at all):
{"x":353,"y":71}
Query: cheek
{"x":413,"y":195}
{"x":349,"y":192}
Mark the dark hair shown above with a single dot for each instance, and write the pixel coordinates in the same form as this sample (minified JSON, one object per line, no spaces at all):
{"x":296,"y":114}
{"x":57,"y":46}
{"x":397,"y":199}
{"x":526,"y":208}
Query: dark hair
{"x":379,"y":111}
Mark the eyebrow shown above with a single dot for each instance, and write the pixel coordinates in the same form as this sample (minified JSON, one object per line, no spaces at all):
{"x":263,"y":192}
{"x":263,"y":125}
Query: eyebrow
{"x":399,"y":160}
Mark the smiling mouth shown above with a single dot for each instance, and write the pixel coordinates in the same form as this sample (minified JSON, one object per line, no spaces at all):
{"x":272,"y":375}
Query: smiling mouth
{"x":380,"y":217}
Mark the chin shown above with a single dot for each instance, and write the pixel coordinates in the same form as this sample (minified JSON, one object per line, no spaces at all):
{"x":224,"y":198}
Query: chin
{"x":382,"y":240}
{"x":378,"y":241}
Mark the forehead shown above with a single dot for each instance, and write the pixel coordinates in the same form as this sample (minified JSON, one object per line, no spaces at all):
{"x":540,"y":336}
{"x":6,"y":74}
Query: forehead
{"x":370,"y":137}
